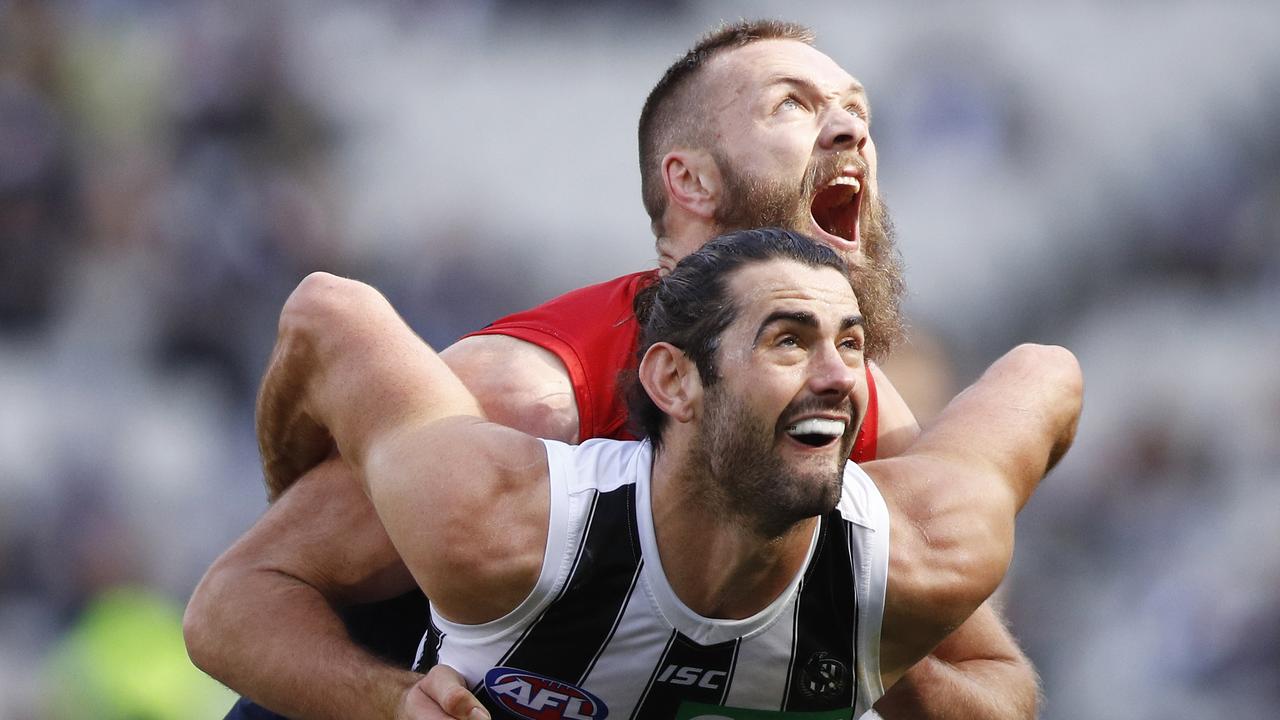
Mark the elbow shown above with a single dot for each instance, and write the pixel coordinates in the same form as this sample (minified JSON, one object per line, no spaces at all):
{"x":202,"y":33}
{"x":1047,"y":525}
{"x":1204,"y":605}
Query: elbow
{"x":1057,"y":367}
{"x":306,"y":304}
{"x":198,"y":632}
{"x":321,"y":301}
{"x":212,"y":619}
{"x":1063,"y":381}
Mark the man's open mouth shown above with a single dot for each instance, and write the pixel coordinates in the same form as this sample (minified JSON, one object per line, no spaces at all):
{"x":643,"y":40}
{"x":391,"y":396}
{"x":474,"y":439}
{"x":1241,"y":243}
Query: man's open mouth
{"x":836,"y":211}
{"x":817,"y":432}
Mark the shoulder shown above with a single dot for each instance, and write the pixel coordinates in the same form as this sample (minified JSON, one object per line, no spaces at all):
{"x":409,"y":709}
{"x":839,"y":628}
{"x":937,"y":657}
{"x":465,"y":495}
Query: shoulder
{"x":553,"y":370}
{"x":598,"y":464}
{"x":580,"y":321}
{"x":601,"y":304}
{"x":860,"y":501}
{"x":517,"y":384}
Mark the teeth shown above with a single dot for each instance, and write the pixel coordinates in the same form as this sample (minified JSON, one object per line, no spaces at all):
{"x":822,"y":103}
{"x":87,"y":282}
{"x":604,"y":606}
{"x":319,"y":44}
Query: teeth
{"x":852,"y":182}
{"x":817,"y":426}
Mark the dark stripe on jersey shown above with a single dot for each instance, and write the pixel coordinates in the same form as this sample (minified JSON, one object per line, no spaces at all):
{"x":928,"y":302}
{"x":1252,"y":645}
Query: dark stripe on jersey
{"x":431,"y":643}
{"x":631,"y":592}
{"x":653,"y":676}
{"x":478,"y":688}
{"x":821,"y":676}
{"x":689,"y":672}
{"x":565,"y":640}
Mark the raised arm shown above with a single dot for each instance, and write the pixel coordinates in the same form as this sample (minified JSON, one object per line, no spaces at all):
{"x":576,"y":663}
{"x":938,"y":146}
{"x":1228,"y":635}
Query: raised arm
{"x":953,"y":496}
{"x":263,"y":621}
{"x":438,"y":475}
{"x":978,"y":672}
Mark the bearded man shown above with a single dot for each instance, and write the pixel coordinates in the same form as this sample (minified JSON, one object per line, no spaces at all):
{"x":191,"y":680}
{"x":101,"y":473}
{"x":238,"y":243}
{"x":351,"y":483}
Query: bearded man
{"x":560,"y":576}
{"x":752,"y":127}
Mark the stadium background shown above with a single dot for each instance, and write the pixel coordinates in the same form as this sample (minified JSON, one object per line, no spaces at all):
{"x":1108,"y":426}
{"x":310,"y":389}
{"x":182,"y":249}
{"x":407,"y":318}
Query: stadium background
{"x":1101,"y":175}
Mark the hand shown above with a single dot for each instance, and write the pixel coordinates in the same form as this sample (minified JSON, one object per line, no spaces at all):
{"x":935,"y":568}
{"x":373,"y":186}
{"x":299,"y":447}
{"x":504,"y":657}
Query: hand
{"x":441,"y":695}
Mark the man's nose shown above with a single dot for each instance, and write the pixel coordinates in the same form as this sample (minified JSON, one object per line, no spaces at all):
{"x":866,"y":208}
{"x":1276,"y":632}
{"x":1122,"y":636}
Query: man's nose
{"x":843,"y":130}
{"x":831,"y":373}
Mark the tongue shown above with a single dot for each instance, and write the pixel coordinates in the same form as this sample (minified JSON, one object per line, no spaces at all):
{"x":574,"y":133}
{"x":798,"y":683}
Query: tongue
{"x":833,"y":208}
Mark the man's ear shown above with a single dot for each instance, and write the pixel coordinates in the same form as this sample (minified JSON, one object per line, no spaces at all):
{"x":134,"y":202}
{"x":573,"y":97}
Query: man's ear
{"x":672,"y":381}
{"x":693,"y":182}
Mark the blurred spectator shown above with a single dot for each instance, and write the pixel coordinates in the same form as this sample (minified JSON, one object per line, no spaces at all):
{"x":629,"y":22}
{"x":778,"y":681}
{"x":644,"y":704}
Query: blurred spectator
{"x":37,"y":206}
{"x":124,"y":659}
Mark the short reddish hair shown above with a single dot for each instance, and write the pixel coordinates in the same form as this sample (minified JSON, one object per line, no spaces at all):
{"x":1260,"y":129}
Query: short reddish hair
{"x":675,"y":111}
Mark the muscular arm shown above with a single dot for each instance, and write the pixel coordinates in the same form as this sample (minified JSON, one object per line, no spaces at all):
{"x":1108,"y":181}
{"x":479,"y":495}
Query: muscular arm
{"x":954,"y":494}
{"x":263,"y":620}
{"x":240,"y":622}
{"x":978,"y":672}
{"x":516,"y":383}
{"x":440,"y":477}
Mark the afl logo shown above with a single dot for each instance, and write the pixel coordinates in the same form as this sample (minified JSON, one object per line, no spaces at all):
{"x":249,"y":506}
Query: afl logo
{"x":541,"y":698}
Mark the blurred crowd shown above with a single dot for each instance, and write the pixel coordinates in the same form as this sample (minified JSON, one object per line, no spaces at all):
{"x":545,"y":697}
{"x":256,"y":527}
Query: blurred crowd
{"x":1107,"y":178}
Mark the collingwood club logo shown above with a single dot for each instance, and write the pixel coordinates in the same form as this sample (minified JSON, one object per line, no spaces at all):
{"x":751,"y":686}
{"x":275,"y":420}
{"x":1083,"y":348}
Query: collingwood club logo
{"x":823,"y":677}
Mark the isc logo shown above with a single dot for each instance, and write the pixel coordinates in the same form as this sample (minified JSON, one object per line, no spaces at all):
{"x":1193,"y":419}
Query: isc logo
{"x":684,"y":675}
{"x":542,"y":698}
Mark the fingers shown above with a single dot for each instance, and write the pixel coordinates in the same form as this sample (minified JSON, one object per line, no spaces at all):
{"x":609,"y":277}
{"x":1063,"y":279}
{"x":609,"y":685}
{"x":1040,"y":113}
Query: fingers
{"x":448,"y":690}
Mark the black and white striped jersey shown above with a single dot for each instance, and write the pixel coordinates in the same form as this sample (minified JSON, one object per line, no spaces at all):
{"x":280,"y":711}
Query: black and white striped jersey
{"x":604,"y":635}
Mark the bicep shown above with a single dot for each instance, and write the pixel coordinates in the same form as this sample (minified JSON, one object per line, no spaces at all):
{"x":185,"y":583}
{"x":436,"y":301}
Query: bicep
{"x":466,"y":504}
{"x":518,"y":384}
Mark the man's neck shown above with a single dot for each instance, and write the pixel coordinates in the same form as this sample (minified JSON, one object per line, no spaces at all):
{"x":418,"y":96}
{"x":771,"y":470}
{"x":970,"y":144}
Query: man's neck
{"x":717,"y":563}
{"x":684,"y":235}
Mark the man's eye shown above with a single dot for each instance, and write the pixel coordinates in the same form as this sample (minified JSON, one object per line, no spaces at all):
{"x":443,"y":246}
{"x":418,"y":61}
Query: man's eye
{"x":790,"y":104}
{"x":857,"y":111}
{"x":852,"y":343}
{"x":788,"y":341}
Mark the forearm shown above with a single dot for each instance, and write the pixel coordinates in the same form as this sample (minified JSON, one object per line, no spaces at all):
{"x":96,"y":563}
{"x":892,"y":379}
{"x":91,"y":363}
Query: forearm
{"x":289,"y":652}
{"x":978,"y":671}
{"x":1013,"y":424}
{"x":975,"y":689}
{"x":262,"y":619}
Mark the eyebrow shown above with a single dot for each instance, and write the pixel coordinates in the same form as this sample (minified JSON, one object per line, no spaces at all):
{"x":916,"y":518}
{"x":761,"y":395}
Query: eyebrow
{"x":802,"y":317}
{"x":854,"y":87}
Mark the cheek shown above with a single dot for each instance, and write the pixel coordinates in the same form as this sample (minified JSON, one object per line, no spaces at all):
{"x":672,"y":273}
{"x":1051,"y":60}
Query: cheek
{"x":869,"y":152}
{"x":734,"y":360}
{"x":860,"y":395}
{"x":783,"y":150}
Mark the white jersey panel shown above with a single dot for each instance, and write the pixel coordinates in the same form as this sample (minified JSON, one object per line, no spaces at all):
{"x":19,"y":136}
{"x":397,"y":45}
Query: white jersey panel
{"x":604,"y":632}
{"x":864,"y":507}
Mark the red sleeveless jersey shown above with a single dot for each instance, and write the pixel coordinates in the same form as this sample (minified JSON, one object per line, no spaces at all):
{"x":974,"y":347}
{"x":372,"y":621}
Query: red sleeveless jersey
{"x":594,"y":332}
